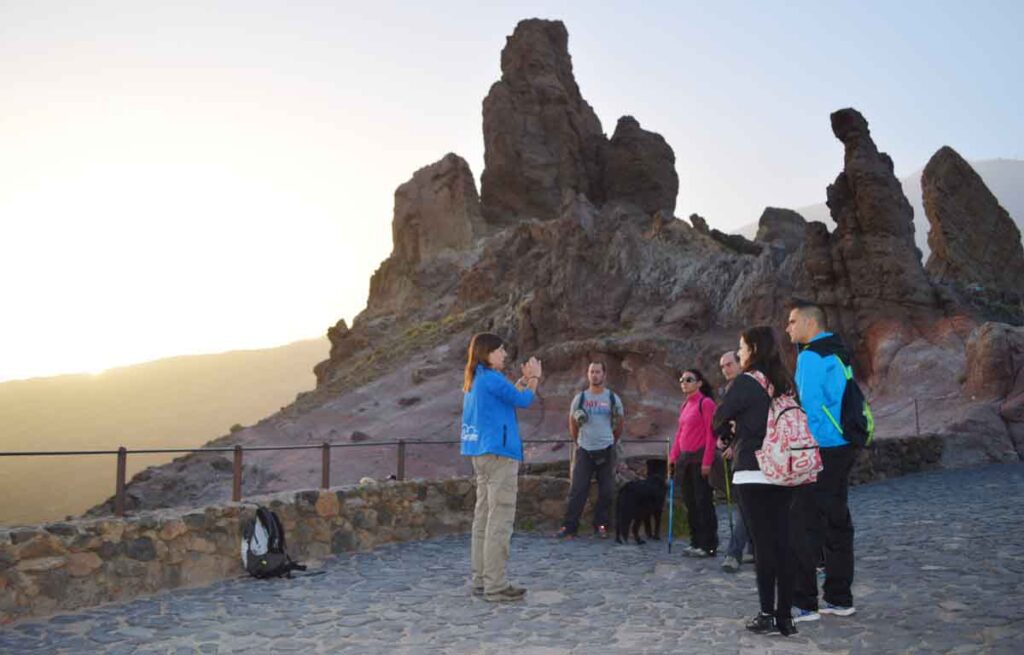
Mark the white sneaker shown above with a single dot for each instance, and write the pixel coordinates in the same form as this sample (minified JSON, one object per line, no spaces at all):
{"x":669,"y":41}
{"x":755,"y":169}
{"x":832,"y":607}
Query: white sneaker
{"x":837,"y":610}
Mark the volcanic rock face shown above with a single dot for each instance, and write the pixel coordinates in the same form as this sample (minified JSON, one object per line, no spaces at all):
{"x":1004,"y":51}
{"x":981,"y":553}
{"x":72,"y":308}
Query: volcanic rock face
{"x":640,"y":168}
{"x":873,"y":245}
{"x":973,"y":240}
{"x":437,"y":216}
{"x":437,"y":209}
{"x":569,"y":264}
{"x":541,"y":138}
{"x":782,"y":227}
{"x":868,"y":274}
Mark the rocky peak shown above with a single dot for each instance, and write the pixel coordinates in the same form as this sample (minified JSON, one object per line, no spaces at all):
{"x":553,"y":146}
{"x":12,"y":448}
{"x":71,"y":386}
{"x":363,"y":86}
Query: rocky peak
{"x":541,"y":138}
{"x":974,"y":242}
{"x":640,"y":168}
{"x":733,"y":242}
{"x":436,"y":210}
{"x":436,"y":217}
{"x":873,"y":244}
{"x":782,"y":227}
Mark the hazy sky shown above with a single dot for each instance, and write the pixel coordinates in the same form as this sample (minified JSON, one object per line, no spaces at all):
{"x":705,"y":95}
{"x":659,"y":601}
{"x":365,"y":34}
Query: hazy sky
{"x":201,"y":176}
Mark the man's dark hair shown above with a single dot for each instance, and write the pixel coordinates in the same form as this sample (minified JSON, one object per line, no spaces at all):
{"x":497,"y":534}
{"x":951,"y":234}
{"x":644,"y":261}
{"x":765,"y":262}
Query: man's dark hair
{"x":597,"y":362}
{"x":813,"y":310}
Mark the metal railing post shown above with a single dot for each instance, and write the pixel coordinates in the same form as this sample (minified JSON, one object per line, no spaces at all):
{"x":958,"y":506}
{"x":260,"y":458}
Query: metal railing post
{"x":917,"y":420}
{"x":122,"y":465}
{"x":325,"y":466}
{"x":236,"y":485}
{"x":401,"y":459}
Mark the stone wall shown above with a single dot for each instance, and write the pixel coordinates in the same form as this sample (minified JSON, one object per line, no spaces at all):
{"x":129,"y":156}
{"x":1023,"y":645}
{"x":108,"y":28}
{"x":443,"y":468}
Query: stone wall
{"x":76,"y":564}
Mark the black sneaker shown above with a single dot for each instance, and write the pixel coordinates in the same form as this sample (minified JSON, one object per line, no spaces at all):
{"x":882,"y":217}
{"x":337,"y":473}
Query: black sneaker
{"x":762,"y":624}
{"x":785,"y":626}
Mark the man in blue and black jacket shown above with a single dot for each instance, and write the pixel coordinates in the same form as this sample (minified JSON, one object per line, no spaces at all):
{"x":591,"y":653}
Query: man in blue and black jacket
{"x":821,"y":516}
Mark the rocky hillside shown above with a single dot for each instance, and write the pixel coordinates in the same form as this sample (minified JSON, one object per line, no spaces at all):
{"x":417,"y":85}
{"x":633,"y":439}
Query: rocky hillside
{"x":179,"y":402}
{"x":571,"y":251}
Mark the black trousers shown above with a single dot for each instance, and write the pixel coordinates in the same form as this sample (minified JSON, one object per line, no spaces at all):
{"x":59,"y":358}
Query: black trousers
{"x":698,"y":497}
{"x":821,"y":522}
{"x":600,"y":464}
{"x":768,"y":508}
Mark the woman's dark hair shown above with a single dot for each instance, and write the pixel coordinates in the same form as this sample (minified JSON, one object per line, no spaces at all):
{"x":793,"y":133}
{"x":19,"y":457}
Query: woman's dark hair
{"x":480,"y":347}
{"x":705,"y":388}
{"x":764,"y":356}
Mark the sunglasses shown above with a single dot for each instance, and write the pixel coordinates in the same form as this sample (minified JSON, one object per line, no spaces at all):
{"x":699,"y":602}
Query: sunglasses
{"x":687,"y":378}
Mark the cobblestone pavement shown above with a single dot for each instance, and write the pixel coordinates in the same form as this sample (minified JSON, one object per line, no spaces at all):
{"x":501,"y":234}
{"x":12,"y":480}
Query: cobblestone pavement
{"x":940,"y":568}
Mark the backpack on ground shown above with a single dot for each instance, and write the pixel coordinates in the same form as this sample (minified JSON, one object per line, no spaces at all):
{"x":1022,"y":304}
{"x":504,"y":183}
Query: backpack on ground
{"x":263,"y":547}
{"x":789,"y":455}
{"x":856,"y":422}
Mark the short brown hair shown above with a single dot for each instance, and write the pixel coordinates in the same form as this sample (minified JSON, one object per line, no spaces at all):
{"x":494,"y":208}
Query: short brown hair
{"x":480,"y":348}
{"x":598,"y":362}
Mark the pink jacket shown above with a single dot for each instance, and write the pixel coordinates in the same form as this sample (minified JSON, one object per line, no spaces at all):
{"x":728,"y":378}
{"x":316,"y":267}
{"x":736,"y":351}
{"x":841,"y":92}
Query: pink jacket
{"x":694,"y":430}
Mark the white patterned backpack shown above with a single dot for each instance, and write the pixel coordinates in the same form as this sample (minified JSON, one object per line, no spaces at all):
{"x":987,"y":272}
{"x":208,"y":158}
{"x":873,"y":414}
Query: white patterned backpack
{"x":789,"y":455}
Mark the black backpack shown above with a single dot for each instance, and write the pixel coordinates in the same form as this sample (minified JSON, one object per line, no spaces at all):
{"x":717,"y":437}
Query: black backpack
{"x":263,"y":547}
{"x":856,"y":422}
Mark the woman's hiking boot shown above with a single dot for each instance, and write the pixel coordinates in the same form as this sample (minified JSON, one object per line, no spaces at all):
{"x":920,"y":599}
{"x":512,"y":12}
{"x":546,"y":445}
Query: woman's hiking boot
{"x":507,"y":594}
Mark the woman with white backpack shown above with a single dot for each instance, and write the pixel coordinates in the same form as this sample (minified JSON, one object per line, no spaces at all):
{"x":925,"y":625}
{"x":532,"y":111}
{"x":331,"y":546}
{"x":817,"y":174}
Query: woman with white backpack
{"x":765,"y":385}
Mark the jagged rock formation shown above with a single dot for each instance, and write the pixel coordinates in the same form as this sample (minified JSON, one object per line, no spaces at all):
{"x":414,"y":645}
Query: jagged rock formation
{"x":640,"y":167}
{"x":874,"y":222}
{"x":974,"y":242}
{"x":734,"y":242}
{"x":578,"y":256}
{"x":544,"y":145}
{"x":783,"y":228}
{"x":541,"y":138}
{"x":868,"y":273}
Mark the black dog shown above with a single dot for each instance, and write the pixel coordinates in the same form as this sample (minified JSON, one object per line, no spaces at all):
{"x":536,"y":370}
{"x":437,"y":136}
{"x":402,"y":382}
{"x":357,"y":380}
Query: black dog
{"x":641,"y":501}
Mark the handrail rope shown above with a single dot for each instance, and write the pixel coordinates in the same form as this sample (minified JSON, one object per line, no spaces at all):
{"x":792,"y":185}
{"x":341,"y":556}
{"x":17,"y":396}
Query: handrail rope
{"x":318,"y":446}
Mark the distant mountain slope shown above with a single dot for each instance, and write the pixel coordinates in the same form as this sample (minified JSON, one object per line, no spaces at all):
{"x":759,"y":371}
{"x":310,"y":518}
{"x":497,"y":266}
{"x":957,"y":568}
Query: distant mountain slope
{"x":176,"y":402}
{"x":1004,"y":178}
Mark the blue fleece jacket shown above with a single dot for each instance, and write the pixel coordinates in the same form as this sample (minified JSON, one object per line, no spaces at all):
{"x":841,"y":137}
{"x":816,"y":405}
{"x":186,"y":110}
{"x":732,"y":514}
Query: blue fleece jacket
{"x":489,"y":424}
{"x":821,"y":382}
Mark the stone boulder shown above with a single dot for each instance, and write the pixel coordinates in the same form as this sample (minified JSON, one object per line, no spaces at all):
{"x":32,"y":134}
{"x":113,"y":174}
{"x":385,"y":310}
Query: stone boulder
{"x":541,"y":138}
{"x":974,"y":242}
{"x":781,"y":227}
{"x":995,"y":363}
{"x":640,"y":168}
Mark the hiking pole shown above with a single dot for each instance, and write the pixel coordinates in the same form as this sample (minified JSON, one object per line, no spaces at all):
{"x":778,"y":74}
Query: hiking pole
{"x":671,"y":505}
{"x":728,"y":497}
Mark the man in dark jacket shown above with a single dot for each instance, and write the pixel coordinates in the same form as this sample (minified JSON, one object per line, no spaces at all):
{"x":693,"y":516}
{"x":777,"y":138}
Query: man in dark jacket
{"x":821,"y":515}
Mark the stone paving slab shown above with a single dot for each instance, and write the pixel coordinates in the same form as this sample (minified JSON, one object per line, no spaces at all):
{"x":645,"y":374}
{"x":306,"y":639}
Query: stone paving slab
{"x":940,"y":569}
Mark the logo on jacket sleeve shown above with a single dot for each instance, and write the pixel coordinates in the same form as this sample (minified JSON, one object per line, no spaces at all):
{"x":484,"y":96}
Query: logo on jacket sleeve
{"x":469,"y":433}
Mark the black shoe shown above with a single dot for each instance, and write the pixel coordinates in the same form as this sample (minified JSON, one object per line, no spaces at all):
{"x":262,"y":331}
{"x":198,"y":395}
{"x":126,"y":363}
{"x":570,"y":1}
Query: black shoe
{"x":785,"y":626}
{"x":763,"y":623}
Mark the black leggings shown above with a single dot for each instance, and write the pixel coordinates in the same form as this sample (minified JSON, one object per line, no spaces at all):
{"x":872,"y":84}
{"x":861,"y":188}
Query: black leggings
{"x":767,"y":509}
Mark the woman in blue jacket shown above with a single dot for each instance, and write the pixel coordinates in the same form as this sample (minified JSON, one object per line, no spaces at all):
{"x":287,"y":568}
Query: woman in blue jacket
{"x":490,"y":435}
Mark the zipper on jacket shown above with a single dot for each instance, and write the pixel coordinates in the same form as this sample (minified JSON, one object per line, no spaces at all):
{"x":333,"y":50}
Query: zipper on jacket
{"x":504,"y":436}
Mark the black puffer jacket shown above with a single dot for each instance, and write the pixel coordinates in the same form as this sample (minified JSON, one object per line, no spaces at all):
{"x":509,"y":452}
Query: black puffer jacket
{"x":748,"y":404}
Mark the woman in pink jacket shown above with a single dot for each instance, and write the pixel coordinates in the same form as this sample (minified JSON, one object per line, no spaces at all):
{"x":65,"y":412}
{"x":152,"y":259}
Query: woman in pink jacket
{"x":691,"y":455}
